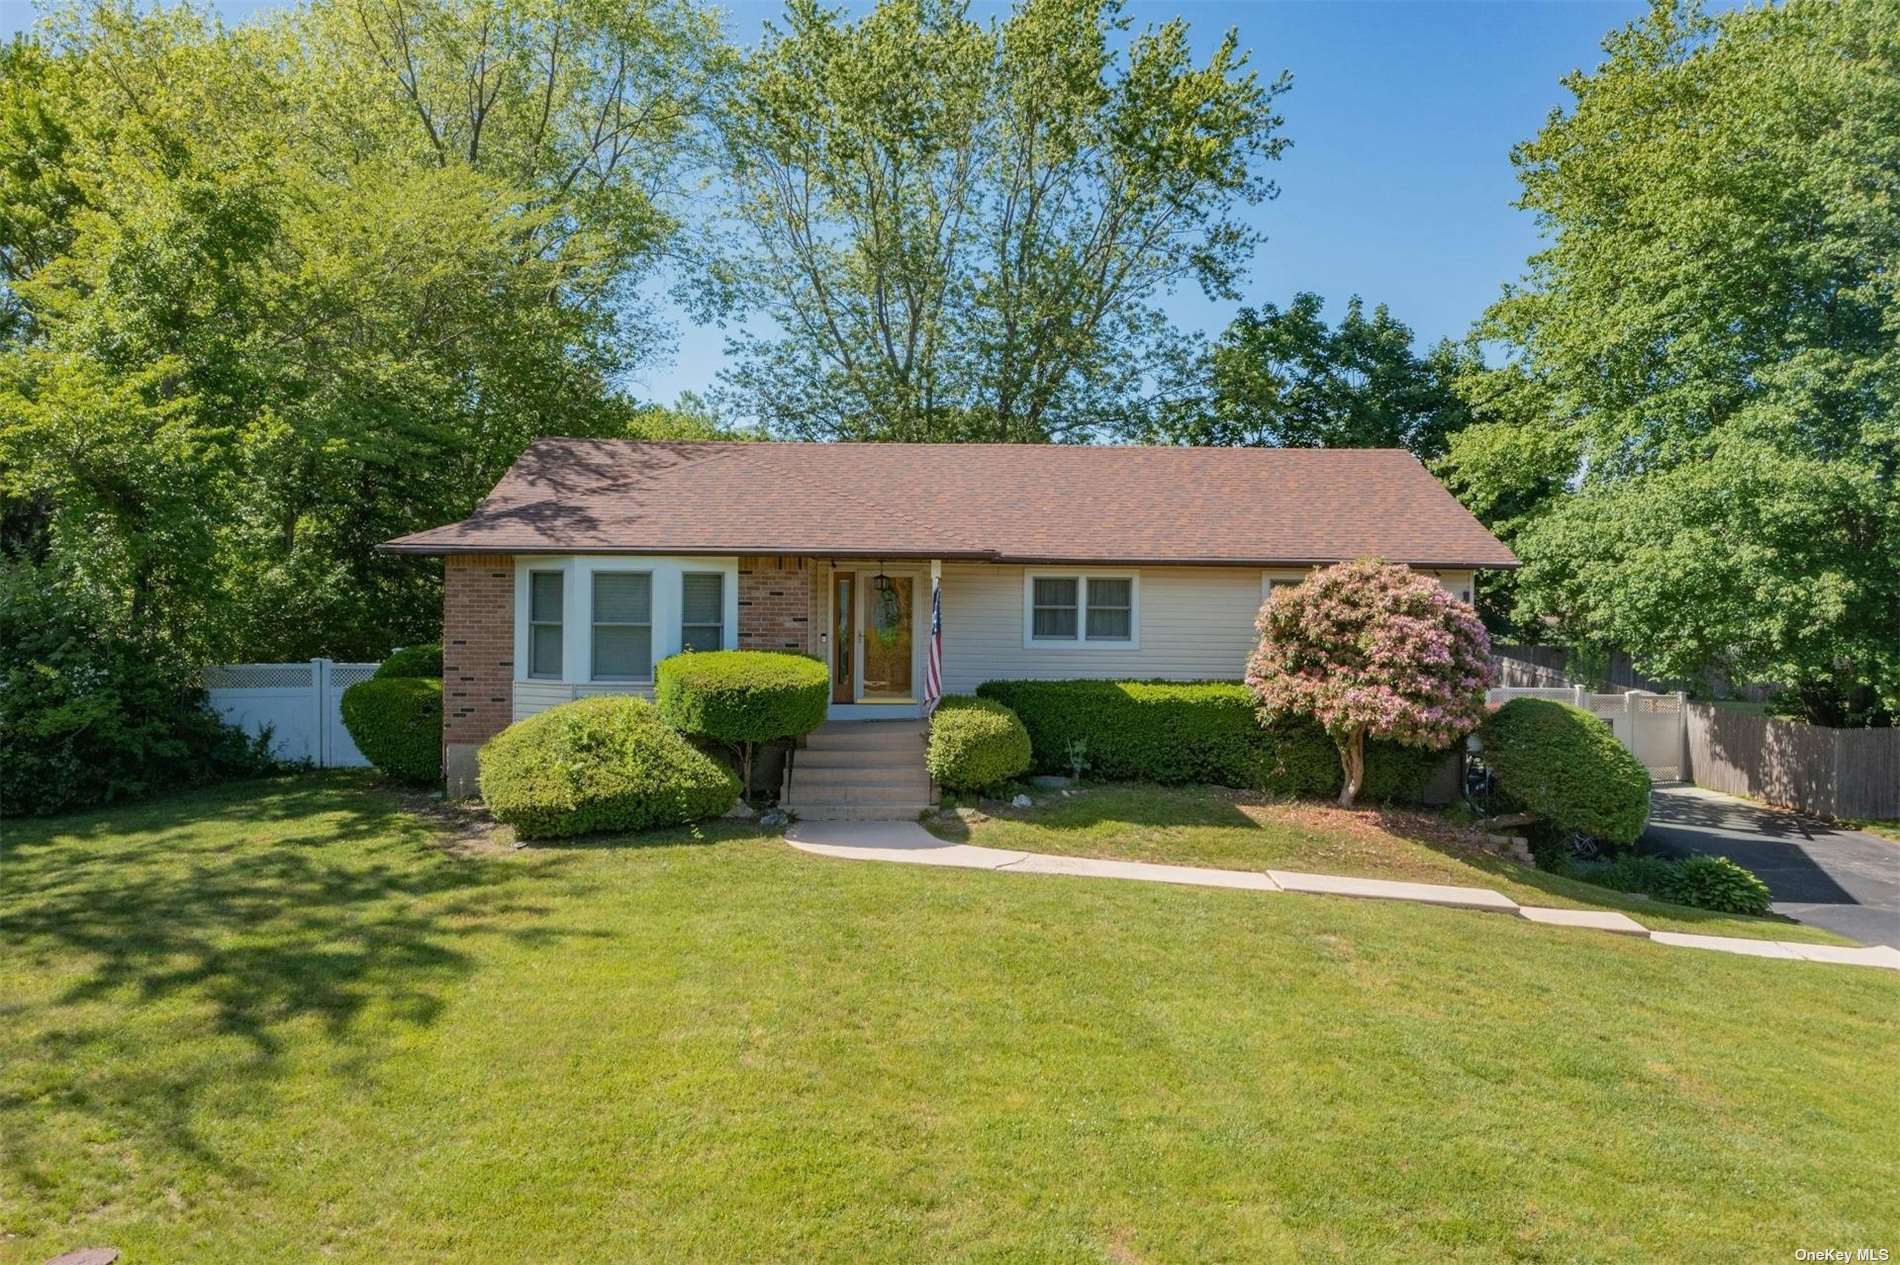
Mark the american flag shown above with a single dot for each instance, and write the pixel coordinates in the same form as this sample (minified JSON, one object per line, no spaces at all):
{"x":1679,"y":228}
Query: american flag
{"x":933,"y":675}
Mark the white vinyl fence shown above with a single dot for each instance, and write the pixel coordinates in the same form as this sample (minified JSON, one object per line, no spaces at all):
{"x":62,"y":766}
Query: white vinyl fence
{"x":1650,"y":725}
{"x":300,"y":703}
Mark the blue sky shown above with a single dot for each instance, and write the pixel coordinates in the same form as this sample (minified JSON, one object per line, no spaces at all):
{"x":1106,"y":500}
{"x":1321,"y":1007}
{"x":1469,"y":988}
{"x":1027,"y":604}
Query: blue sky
{"x":1398,"y":185}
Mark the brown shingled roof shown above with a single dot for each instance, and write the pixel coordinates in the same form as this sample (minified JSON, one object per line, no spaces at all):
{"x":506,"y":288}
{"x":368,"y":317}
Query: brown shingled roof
{"x":1004,"y":502}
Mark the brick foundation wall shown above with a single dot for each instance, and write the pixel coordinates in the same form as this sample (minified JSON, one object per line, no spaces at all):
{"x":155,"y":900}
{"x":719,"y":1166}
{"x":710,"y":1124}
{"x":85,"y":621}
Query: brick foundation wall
{"x":478,"y":651}
{"x":775,"y":604}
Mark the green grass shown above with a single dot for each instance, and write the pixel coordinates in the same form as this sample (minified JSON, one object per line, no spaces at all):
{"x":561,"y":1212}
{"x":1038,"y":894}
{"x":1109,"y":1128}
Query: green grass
{"x":1883,"y":828}
{"x":283,"y":1022}
{"x":1213,"y":826}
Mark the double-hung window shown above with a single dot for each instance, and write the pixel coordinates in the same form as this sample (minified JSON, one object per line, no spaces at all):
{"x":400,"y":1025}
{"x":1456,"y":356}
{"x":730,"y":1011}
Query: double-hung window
{"x":1111,"y":609}
{"x":623,"y":625}
{"x":702,"y":610}
{"x":545,"y":594}
{"x":1081,"y":610}
{"x":1054,"y":618}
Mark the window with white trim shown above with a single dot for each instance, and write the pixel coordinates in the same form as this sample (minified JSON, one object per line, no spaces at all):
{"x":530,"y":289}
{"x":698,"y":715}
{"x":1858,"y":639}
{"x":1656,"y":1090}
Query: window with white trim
{"x":1111,"y":609}
{"x":545,"y":594}
{"x":623,"y":625}
{"x":1081,"y":610}
{"x":702,"y":610}
{"x":1054,"y":616}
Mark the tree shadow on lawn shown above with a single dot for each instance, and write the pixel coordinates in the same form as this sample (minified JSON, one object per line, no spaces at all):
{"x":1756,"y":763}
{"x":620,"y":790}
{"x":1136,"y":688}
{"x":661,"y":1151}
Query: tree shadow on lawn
{"x":694,"y":835}
{"x":195,"y":931}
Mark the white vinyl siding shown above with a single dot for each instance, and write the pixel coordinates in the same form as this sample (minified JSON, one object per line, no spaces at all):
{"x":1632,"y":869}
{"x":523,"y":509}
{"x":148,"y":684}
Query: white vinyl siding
{"x":1189,"y":624}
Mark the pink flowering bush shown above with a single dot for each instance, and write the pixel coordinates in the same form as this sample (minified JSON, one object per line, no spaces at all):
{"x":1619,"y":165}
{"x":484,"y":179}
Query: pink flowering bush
{"x":1368,"y":648}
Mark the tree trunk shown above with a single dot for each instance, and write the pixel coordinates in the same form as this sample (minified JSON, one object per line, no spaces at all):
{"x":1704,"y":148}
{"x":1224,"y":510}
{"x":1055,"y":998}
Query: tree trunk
{"x":1352,"y":758}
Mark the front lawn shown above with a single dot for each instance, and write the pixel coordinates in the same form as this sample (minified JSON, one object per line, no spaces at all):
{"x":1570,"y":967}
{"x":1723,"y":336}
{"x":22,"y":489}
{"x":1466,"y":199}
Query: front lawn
{"x":1214,"y":826}
{"x":290,"y":1021}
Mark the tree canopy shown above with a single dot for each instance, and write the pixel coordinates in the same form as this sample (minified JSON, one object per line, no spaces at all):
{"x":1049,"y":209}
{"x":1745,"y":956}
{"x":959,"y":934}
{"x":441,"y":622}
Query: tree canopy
{"x":1693,"y":446}
{"x":277,"y":293}
{"x":1285,"y":379}
{"x":956,"y":231}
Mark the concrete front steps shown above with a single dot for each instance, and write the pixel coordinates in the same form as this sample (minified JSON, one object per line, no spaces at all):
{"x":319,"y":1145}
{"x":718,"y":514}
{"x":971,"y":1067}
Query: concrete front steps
{"x":860,"y":770}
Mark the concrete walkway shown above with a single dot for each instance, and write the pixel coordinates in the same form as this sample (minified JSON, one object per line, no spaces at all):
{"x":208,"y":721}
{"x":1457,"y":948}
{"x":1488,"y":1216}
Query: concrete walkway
{"x":1827,"y":876}
{"x":907,"y":843}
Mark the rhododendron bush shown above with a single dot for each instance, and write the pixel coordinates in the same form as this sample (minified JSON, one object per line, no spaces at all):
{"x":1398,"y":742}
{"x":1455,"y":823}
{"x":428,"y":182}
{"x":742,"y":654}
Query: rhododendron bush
{"x":1370,"y":649}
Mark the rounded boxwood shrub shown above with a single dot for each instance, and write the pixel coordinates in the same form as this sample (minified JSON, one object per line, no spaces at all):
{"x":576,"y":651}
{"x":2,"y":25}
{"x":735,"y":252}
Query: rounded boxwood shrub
{"x":975,"y":743}
{"x":1177,"y":732}
{"x":396,"y":722}
{"x":743,"y":697}
{"x":1564,"y":765}
{"x":425,"y":661}
{"x":606,"y":763}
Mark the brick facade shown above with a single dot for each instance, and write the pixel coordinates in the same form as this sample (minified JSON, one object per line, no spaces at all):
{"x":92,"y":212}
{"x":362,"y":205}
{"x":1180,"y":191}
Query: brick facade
{"x":777,"y":596}
{"x":478,"y":658}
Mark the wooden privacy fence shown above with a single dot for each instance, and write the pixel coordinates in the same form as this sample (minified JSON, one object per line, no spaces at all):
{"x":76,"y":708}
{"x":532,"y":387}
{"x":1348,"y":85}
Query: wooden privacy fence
{"x":1828,"y":772}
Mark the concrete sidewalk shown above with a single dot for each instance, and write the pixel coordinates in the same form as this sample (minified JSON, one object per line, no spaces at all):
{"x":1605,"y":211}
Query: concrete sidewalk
{"x":907,"y":843}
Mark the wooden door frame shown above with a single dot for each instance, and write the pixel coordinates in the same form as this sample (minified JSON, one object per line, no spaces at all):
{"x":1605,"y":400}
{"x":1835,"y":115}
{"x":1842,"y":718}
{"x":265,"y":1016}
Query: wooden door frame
{"x":844,"y":687}
{"x":860,"y":571}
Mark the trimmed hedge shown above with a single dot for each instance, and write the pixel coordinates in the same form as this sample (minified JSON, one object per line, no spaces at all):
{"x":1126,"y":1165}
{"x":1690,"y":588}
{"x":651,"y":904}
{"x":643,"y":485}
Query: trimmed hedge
{"x":396,"y":722}
{"x":424,"y":661}
{"x":743,"y":695}
{"x":975,"y":743}
{"x":1702,"y":882}
{"x":1175,"y":732}
{"x":605,"y":763}
{"x":1566,"y":766}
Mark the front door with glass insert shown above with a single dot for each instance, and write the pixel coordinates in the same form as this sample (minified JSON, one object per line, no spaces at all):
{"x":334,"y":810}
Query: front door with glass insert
{"x":889,"y":606}
{"x":844,"y":637}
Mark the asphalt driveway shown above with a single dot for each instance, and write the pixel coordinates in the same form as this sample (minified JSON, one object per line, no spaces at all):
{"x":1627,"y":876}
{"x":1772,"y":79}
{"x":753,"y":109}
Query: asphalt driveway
{"x":1844,"y":880}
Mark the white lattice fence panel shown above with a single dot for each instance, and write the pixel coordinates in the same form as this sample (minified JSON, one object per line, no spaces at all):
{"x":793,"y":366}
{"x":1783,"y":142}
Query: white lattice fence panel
{"x":299,"y":704}
{"x":339,"y":751}
{"x":344,"y":675}
{"x":261,"y":676}
{"x":1505,"y":693}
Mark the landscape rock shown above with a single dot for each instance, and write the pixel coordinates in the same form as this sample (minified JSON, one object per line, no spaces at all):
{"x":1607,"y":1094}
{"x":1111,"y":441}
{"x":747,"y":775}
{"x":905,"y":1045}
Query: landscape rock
{"x":1022,"y":801}
{"x":774,"y":818}
{"x":741,"y":811}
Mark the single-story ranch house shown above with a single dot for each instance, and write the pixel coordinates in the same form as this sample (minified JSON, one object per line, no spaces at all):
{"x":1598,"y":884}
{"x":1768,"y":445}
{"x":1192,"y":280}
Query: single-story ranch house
{"x":592,"y":560}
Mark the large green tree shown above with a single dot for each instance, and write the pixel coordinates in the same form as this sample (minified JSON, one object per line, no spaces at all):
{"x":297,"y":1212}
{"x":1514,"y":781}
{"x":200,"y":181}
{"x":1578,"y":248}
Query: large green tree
{"x":954,"y":231}
{"x":279,"y":292}
{"x":1694,"y":445}
{"x":1285,"y":378}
